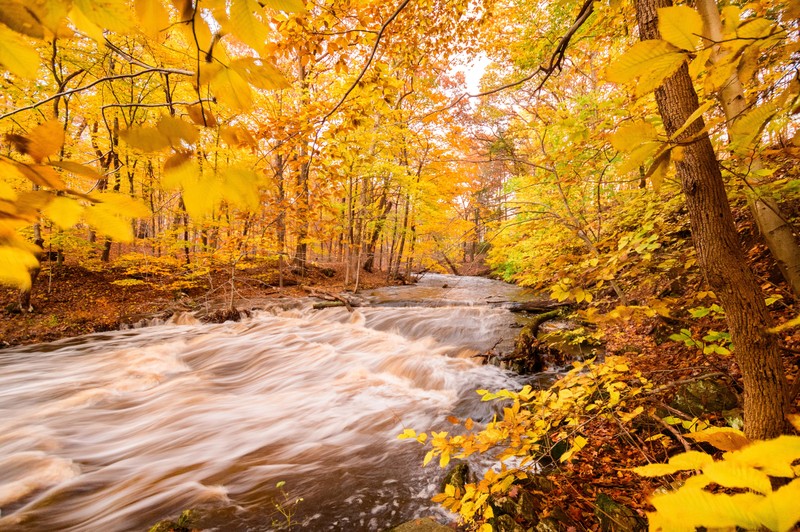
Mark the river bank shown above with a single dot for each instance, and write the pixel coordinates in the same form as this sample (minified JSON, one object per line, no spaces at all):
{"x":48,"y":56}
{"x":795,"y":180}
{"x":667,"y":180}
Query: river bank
{"x":71,"y":299}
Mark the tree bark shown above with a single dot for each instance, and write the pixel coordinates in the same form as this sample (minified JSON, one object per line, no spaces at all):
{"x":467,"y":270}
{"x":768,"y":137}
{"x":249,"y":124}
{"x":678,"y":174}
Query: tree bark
{"x":777,"y":233}
{"x":719,"y":252}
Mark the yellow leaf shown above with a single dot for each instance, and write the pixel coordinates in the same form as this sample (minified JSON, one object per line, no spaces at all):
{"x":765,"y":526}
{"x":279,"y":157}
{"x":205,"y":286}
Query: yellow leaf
{"x":177,"y":130}
{"x":179,"y":169}
{"x":147,"y":139}
{"x":694,"y":508}
{"x":723,"y":438}
{"x":780,"y":510}
{"x":658,"y":170}
{"x":152,"y":16}
{"x":733,"y":475}
{"x":428,"y":457}
{"x":232,"y":90}
{"x":21,"y":18}
{"x":681,"y":26}
{"x":444,"y":459}
{"x":638,"y":156}
{"x":15,"y":266}
{"x":407,"y":433}
{"x":19,"y":57}
{"x":44,"y":176}
{"x":773,"y":457}
{"x":107,"y":14}
{"x":632,"y":134}
{"x":259,"y":73}
{"x":290,"y":6}
{"x":86,"y":26}
{"x":201,"y":115}
{"x":200,"y":196}
{"x":64,"y":211}
{"x":680,"y":462}
{"x":244,"y":24}
{"x":77,"y":168}
{"x":692,"y":119}
{"x":646,"y":58}
{"x":45,"y":140}
{"x":747,"y":129}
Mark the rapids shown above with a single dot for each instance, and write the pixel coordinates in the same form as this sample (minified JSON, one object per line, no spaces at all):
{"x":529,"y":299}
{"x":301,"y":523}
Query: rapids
{"x":114,"y":431}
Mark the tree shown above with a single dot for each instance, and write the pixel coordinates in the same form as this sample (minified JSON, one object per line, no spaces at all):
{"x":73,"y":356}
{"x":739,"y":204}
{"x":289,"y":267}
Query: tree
{"x":719,"y":252}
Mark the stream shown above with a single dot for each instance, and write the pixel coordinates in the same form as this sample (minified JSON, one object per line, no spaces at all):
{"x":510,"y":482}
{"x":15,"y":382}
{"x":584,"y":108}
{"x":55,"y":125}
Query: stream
{"x":115,"y":431}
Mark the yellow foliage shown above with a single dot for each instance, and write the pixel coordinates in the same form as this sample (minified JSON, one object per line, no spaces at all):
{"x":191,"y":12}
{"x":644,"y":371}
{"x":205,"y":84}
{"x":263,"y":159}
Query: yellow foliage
{"x":650,"y":61}
{"x":691,"y":506}
{"x":681,"y":26}
{"x":531,"y":417}
{"x":19,"y":57}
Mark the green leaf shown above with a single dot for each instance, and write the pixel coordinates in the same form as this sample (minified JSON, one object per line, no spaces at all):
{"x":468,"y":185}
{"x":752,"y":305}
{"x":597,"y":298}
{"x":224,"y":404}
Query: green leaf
{"x":681,"y":26}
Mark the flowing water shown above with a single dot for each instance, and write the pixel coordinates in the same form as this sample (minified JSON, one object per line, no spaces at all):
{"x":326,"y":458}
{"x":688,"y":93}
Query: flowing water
{"x":115,"y":431}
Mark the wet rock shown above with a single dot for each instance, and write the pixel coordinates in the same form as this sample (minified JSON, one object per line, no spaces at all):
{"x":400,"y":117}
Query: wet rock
{"x":458,"y":476}
{"x":424,"y":524}
{"x":523,"y":508}
{"x":616,"y":517}
{"x":703,"y":397}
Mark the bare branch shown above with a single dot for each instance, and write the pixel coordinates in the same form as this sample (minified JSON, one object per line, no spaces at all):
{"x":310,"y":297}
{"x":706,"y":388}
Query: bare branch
{"x":97,"y":82}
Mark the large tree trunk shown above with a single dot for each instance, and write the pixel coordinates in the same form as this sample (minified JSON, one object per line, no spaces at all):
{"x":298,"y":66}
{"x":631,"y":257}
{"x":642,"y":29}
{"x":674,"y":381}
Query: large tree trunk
{"x":719,"y":252}
{"x":771,"y":222}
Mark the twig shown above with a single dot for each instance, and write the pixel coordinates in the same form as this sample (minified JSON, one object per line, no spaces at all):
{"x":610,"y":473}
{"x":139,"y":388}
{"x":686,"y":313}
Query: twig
{"x":674,"y":432}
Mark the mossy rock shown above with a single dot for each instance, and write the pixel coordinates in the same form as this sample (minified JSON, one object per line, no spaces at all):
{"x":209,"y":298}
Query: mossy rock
{"x":616,"y":517}
{"x":704,"y":397}
{"x":424,"y":524}
{"x":458,"y":476}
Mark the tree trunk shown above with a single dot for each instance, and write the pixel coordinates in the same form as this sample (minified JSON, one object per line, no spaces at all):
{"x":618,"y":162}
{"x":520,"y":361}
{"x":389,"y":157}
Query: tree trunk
{"x":720,"y":255}
{"x":770,"y":220}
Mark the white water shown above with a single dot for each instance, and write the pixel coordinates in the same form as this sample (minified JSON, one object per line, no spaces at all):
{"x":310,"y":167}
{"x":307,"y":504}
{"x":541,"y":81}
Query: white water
{"x":115,"y":431}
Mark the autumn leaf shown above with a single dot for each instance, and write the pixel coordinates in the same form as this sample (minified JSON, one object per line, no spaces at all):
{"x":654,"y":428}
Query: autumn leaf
{"x":681,"y":26}
{"x":19,"y":57}
{"x":650,"y":61}
{"x":152,"y":16}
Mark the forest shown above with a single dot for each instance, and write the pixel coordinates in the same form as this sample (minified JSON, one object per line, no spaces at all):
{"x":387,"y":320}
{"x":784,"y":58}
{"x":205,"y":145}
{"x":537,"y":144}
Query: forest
{"x":631,"y":163}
